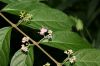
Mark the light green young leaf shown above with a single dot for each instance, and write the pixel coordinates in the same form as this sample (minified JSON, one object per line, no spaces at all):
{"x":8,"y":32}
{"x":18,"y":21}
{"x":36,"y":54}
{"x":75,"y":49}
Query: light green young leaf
{"x":79,"y":23}
{"x":87,"y":57}
{"x":42,"y":15}
{"x":66,"y":40}
{"x":23,"y":59}
{"x":4,"y":45}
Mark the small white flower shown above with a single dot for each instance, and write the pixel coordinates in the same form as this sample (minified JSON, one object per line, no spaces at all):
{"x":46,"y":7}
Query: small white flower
{"x":25,"y":39}
{"x":50,"y":31}
{"x":24,"y":48}
{"x":43,"y":31}
{"x":72,"y":59}
{"x":22,"y":14}
{"x":47,"y":64}
{"x":49,"y":37}
{"x":68,"y":52}
{"x":27,"y":17}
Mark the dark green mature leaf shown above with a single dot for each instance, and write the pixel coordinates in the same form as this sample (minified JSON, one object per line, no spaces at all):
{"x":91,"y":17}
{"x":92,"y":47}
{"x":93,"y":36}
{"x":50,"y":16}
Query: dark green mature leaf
{"x":67,"y":40}
{"x":17,"y":7}
{"x":12,"y":1}
{"x":27,"y":6}
{"x":53,"y":25}
{"x":8,"y":1}
{"x":42,"y":15}
{"x":23,"y":59}
{"x":4,"y":45}
{"x":49,"y":18}
{"x":87,"y":57}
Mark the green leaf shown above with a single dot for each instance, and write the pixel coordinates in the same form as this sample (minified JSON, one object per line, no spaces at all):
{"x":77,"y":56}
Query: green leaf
{"x":12,"y":1}
{"x":50,"y":18}
{"x":8,"y":1}
{"x":17,"y":7}
{"x":23,"y":59}
{"x":87,"y":57}
{"x":42,"y":15}
{"x":4,"y":45}
{"x":66,"y":40}
{"x":53,"y":24}
{"x":79,"y":23}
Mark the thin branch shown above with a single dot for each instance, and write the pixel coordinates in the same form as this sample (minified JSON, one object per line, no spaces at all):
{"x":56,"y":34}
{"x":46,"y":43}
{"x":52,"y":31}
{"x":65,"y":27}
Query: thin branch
{"x":66,"y":59}
{"x":35,"y":43}
{"x":41,"y":40}
{"x":19,"y":22}
{"x":88,"y":33}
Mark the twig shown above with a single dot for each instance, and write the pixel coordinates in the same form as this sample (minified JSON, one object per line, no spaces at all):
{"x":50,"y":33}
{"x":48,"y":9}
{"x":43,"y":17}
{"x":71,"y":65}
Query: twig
{"x":35,"y":43}
{"x":88,"y":33}
{"x":66,"y":59}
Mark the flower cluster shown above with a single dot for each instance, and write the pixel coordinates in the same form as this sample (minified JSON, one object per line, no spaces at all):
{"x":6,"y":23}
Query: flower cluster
{"x":22,"y":14}
{"x":49,"y":36}
{"x":43,"y":31}
{"x":24,"y":48}
{"x":25,"y":16}
{"x":25,"y":40}
{"x":47,"y":64}
{"x":68,"y":52}
{"x":71,"y":58}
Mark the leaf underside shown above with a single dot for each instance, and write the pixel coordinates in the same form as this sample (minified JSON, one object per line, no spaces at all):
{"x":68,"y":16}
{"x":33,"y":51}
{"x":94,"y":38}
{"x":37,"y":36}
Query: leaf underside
{"x":4,"y":45}
{"x":23,"y":59}
{"x":87,"y":57}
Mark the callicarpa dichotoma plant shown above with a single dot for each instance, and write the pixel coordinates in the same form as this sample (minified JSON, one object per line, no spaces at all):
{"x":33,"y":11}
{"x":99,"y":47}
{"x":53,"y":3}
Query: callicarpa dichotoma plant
{"x":43,"y":33}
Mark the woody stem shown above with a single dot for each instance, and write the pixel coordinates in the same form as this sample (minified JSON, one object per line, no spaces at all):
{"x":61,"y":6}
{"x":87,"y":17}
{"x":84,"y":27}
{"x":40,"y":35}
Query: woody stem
{"x":35,"y":43}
